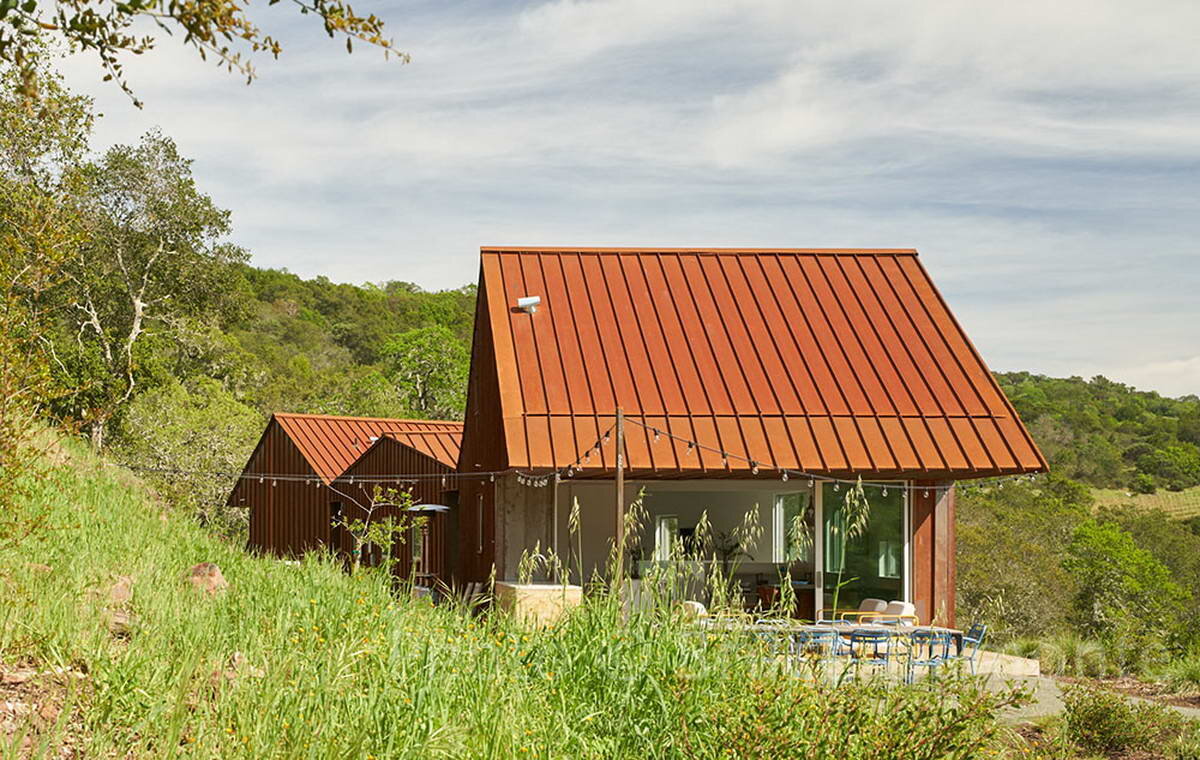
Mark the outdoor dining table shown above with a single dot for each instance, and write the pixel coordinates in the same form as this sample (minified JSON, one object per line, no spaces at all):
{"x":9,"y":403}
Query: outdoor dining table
{"x":842,"y":628}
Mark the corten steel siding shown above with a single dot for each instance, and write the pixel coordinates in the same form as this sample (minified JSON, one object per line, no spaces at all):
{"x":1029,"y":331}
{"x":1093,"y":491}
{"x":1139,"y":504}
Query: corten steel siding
{"x":287,"y":517}
{"x":389,"y":457}
{"x":483,"y":450}
{"x":840,"y":362}
{"x":932,"y":548}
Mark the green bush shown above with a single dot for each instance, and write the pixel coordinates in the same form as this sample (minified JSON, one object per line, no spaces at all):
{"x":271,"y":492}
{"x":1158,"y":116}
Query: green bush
{"x":1124,"y":595}
{"x":1143,"y":483}
{"x":1182,"y":675}
{"x":1102,"y":721}
{"x":787,"y":719}
{"x":1023,"y":647}
{"x":1072,"y":655}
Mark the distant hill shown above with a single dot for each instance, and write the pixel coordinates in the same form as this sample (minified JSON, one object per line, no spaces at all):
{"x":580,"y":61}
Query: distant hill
{"x":1110,"y":435}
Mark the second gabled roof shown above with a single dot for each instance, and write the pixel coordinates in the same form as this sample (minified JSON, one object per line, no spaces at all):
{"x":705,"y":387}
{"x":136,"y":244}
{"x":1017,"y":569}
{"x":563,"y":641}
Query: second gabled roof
{"x":442,"y":445}
{"x":330,"y":443}
{"x":820,"y":360}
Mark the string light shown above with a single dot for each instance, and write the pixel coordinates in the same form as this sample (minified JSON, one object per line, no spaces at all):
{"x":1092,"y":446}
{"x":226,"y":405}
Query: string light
{"x":754,"y":468}
{"x":784,"y":476}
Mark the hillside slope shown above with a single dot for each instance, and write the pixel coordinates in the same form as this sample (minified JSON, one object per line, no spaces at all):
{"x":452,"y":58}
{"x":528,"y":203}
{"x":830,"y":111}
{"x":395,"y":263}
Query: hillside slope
{"x":106,"y":649}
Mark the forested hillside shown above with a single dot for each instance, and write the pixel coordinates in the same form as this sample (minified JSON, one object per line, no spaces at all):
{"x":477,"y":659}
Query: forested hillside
{"x":390,"y":349}
{"x":1110,"y":435}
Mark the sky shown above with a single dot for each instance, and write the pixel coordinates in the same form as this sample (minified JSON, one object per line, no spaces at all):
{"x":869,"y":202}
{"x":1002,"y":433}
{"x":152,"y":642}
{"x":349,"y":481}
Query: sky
{"x":1044,"y":158}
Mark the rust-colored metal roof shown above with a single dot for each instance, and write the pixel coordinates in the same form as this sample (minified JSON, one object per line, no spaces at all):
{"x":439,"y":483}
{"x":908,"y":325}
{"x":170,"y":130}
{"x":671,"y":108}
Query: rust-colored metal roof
{"x":829,"y":361}
{"x":332,"y":443}
{"x":442,"y":445}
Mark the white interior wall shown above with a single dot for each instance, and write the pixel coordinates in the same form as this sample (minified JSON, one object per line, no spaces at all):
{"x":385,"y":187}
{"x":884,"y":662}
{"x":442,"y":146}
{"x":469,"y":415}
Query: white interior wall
{"x":725,"y":501}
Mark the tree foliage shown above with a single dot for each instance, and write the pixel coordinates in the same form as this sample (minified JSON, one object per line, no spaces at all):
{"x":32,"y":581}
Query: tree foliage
{"x":221,"y":29}
{"x":429,"y":367}
{"x":1010,"y":553}
{"x":39,"y":229}
{"x":1108,"y":434}
{"x":153,"y":259}
{"x":179,"y":436}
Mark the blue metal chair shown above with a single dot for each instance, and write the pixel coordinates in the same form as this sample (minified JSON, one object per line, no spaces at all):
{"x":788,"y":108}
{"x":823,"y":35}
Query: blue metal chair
{"x":972,"y":642}
{"x":776,"y":637}
{"x":928,"y":649}
{"x":871,"y":648}
{"x":813,"y":650}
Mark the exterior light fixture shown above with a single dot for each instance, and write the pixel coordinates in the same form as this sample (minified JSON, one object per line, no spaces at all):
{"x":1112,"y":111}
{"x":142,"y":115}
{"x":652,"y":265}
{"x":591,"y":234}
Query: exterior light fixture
{"x":529,"y":304}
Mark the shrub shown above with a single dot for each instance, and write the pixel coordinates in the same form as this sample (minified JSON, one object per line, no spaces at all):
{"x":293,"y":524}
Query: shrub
{"x":787,"y":718}
{"x":1024,"y":647}
{"x":1102,"y":721}
{"x":185,"y":433}
{"x":1183,"y":675}
{"x":1071,"y":655}
{"x":1125,"y":596}
{"x":1143,"y":483}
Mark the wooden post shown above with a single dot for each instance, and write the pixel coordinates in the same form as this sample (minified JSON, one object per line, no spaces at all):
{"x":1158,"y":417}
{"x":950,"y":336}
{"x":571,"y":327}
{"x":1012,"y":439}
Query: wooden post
{"x":619,"y":536}
{"x":554,"y":515}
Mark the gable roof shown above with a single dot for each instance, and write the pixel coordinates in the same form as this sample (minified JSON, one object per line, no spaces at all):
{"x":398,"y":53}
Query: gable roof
{"x":330,"y":444}
{"x":442,"y":445}
{"x":830,"y":361}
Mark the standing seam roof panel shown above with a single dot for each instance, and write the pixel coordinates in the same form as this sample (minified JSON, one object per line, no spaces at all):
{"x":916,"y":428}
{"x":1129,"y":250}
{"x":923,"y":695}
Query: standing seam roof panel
{"x":822,"y":360}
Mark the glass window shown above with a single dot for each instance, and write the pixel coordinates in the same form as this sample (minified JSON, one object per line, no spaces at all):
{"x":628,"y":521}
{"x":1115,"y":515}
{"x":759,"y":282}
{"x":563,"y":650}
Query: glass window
{"x":792,"y":537}
{"x":666,"y":534}
{"x":870,"y":565}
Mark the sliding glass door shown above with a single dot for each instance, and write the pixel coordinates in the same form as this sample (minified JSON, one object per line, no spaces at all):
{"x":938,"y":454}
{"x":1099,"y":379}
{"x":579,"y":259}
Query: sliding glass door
{"x":870,"y":565}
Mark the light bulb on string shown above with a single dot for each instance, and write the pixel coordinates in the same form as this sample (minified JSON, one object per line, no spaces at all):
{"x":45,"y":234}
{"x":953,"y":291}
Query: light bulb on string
{"x":784,"y":476}
{"x":656,"y":436}
{"x":274,"y":482}
{"x":837,"y":486}
{"x":260,"y":478}
{"x":690,"y":446}
{"x":754,"y":468}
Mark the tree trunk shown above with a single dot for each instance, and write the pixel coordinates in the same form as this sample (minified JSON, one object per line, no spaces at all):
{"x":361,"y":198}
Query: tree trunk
{"x":97,"y":435}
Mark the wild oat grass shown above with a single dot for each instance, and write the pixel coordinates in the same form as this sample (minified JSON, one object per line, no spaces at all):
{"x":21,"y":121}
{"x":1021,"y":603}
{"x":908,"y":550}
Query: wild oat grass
{"x":305,"y":661}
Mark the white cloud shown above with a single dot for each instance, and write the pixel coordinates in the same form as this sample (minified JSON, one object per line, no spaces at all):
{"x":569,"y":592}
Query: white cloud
{"x":1043,"y":157}
{"x":1179,"y":377}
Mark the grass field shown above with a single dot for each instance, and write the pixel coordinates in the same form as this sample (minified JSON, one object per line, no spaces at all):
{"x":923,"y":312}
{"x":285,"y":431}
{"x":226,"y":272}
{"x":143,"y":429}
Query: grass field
{"x":1179,"y":504}
{"x":305,"y":661}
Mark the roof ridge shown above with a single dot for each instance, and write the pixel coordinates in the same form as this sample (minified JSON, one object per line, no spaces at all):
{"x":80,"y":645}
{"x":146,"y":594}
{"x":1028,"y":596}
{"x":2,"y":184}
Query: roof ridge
{"x":699,"y":250}
{"x":348,"y":418}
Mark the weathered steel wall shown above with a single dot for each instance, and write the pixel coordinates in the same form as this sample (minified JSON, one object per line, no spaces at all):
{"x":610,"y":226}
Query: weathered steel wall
{"x":483,"y":450}
{"x":287,"y":517}
{"x":933,"y":555}
{"x":389,"y":457}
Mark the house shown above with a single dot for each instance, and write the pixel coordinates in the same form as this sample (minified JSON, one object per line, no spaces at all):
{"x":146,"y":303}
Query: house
{"x":294,"y":482}
{"x":764,"y":380}
{"x":425,"y":455}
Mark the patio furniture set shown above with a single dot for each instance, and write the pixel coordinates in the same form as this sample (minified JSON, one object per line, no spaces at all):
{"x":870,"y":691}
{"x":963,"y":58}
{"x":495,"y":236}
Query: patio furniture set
{"x":880,"y":637}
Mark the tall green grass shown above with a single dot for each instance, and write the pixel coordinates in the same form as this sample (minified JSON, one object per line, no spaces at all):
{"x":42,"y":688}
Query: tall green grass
{"x":338,"y":666}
